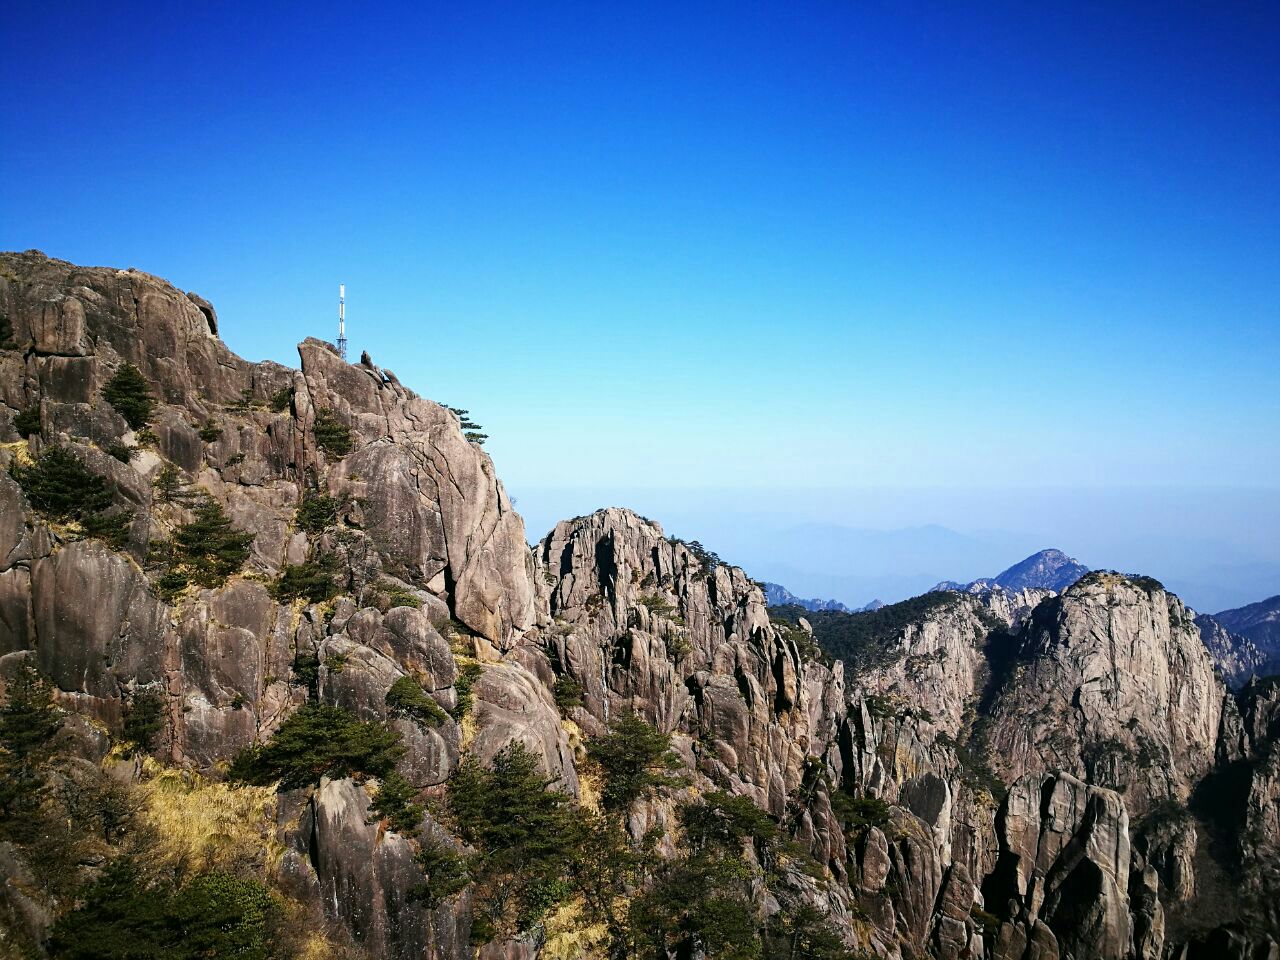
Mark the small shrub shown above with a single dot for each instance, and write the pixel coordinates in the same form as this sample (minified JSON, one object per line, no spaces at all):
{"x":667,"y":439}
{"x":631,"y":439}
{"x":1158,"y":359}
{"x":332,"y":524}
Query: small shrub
{"x":448,"y":873}
{"x":313,"y":581}
{"x":397,"y":596}
{"x":246,"y":402}
{"x":395,"y":804}
{"x":678,"y":645}
{"x":659,"y":606}
{"x":306,"y":669}
{"x":857,"y":815}
{"x":27,"y":422}
{"x":121,"y":451}
{"x":723,"y":820}
{"x":318,"y":741}
{"x":111,"y":528}
{"x":170,"y":584}
{"x":316,"y":512}
{"x":281,"y":399}
{"x":127,"y":392}
{"x":168,"y":483}
{"x":407,"y":698}
{"x":143,"y":720}
{"x":235,"y":460}
{"x":147,"y":438}
{"x":332,"y":435}
{"x":210,"y":432}
{"x":568,"y":693}
{"x":464,"y":687}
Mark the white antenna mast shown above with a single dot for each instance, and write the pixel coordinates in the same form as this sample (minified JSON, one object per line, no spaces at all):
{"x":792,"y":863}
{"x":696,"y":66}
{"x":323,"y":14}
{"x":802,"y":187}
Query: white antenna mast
{"x":342,"y":320}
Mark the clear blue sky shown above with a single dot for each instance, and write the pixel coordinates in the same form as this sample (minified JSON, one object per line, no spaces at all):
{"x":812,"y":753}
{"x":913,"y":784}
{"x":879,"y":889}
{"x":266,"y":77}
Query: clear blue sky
{"x":768,"y":246}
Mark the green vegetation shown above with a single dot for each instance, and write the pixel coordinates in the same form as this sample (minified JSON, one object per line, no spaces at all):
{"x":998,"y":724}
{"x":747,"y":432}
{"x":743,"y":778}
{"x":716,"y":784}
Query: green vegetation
{"x":111,"y":528}
{"x":168,"y":483}
{"x":61,"y":487}
{"x":332,"y":435}
{"x":395,"y":803}
{"x":318,"y":741}
{"x":205,"y":551}
{"x":126,"y":917}
{"x":705,"y":900}
{"x":314,"y":581}
{"x":464,"y":687}
{"x":868,"y":639}
{"x":113,"y":865}
{"x":210,"y":432}
{"x":121,"y":451}
{"x":245,"y":402}
{"x":27,"y":422}
{"x":316,"y":512}
{"x":448,"y":873}
{"x":281,"y":400}
{"x":524,"y":835}
{"x":143,"y":720}
{"x":391,"y":594}
{"x":407,"y":698}
{"x":127,"y":392}
{"x":28,"y":722}
{"x":857,"y":815}
{"x":634,"y":759}
{"x":655,"y":604}
{"x":471,"y":430}
{"x":568,"y":693}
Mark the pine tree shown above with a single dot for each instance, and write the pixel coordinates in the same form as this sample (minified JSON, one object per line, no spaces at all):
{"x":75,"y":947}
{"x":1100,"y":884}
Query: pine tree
{"x":635,"y":757}
{"x":208,"y":549}
{"x":60,"y":486}
{"x":127,"y":392}
{"x":28,"y":723}
{"x":395,"y":804}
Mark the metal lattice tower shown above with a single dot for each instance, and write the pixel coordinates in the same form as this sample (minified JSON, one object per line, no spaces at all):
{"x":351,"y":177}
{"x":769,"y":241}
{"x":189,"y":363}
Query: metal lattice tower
{"x":342,"y":320}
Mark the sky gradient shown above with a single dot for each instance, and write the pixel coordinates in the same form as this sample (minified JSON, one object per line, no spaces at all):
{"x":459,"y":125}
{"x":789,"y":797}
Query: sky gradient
{"x":780,"y":249}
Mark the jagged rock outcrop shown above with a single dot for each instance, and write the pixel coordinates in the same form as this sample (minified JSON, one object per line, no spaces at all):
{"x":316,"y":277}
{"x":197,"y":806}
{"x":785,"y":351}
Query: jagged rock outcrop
{"x":1111,"y":683}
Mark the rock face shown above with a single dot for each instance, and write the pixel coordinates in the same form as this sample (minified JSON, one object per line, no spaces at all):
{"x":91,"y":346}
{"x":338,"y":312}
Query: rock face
{"x":1237,"y":658}
{"x":1111,"y":683}
{"x":1048,"y":765}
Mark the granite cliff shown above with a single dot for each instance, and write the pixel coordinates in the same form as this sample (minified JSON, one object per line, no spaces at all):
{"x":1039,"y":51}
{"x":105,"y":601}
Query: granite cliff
{"x":1013,"y":773}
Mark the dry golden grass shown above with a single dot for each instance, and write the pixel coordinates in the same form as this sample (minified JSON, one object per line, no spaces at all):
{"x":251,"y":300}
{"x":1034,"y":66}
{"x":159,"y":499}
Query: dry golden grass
{"x":204,"y":825}
{"x":568,"y":939}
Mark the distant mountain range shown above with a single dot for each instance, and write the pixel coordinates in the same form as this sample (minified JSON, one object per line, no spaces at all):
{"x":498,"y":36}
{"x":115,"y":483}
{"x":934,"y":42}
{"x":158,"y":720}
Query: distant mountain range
{"x":1046,"y":570}
{"x":1244,"y":642}
{"x":776,"y":595}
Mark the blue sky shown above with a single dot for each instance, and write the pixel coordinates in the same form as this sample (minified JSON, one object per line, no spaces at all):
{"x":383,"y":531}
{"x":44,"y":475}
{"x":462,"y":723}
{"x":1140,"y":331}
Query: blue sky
{"x":777,"y":248}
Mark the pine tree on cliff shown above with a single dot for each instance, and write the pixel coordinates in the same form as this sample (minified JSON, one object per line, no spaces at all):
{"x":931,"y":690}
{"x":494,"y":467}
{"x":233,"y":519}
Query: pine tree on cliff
{"x":127,"y":392}
{"x":28,"y":722}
